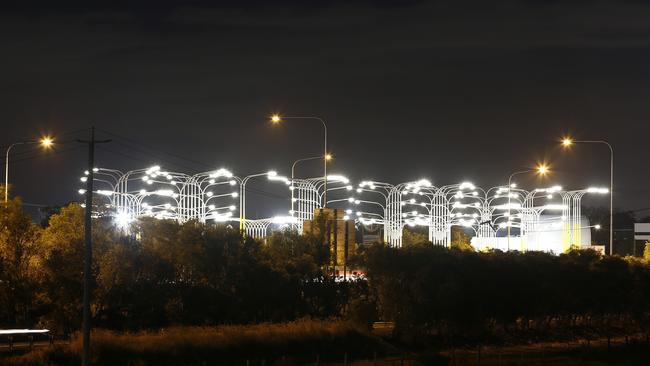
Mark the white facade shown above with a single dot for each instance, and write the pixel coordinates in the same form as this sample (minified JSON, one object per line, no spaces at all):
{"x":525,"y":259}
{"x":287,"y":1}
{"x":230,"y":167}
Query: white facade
{"x":552,"y":234}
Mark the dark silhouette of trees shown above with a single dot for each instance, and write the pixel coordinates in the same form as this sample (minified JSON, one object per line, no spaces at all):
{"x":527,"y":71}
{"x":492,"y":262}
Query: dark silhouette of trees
{"x":19,"y":238}
{"x":461,"y":295}
{"x":163,"y":273}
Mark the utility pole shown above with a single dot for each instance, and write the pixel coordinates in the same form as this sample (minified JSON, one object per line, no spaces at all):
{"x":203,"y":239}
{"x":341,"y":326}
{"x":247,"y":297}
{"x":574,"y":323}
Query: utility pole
{"x":88,"y":250}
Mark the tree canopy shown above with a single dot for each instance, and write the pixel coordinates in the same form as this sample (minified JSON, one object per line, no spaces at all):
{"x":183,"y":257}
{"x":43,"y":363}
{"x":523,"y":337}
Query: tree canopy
{"x":164,"y":273}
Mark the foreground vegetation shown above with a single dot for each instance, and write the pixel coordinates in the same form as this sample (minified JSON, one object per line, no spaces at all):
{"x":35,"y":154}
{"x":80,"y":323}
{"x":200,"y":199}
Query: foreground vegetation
{"x":168,"y":275}
{"x":456,"y":297}
{"x":299,"y":341}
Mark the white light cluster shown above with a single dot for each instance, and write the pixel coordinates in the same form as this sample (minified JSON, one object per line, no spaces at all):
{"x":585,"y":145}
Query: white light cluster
{"x":338,"y":178}
{"x":438,"y":208}
{"x":221,"y":173}
{"x":549,"y":190}
{"x":597,"y":190}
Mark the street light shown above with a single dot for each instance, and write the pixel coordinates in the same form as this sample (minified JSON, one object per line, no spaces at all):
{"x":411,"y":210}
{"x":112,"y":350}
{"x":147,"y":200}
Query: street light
{"x":46,"y":142}
{"x":542,"y":169}
{"x":271,"y":175}
{"x":276,"y":119}
{"x":328,"y":157}
{"x":568,"y":142}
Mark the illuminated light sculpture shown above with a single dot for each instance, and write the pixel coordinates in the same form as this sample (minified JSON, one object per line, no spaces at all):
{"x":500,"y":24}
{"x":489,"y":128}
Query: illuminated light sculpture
{"x":160,"y":194}
{"x":271,"y":176}
{"x":294,"y":200}
{"x":542,"y":170}
{"x":572,"y":233}
{"x":261,"y":228}
{"x":420,"y":203}
{"x":531,"y":213}
{"x":257,"y":228}
{"x":213,"y":196}
{"x":395,"y":217}
{"x":375,"y":189}
{"x":568,"y":142}
{"x":309,"y":194}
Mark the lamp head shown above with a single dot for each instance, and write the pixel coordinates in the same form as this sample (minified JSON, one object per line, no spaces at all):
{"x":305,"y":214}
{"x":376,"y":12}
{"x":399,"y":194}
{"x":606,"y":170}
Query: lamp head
{"x":567,"y":141}
{"x":47,"y":142}
{"x":275,"y":119}
{"x":542,"y":169}
{"x":328,"y":157}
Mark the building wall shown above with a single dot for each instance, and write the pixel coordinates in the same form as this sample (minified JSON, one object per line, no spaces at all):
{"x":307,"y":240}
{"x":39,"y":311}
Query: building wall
{"x":340,"y":236}
{"x":551,"y":235}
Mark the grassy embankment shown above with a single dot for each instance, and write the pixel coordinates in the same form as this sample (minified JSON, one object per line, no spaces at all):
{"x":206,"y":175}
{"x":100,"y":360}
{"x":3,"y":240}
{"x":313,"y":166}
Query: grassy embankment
{"x":300,"y":341}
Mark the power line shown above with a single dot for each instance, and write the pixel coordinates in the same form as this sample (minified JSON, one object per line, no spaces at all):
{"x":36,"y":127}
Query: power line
{"x":57,"y":141}
{"x":41,"y":156}
{"x":29,"y":154}
{"x":140,"y":145}
{"x":132,"y":157}
{"x":158,"y":157}
{"x":58,"y":135}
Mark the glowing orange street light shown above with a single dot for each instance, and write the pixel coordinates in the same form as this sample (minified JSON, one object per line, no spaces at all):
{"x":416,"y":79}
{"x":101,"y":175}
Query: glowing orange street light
{"x":276,"y":119}
{"x":46,"y":142}
{"x":542,"y":169}
{"x":568,"y":142}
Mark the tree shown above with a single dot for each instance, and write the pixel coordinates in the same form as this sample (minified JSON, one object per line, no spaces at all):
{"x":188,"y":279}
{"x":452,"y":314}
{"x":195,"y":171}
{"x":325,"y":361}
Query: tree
{"x":646,"y":251}
{"x":62,"y":265}
{"x":18,"y":264}
{"x":460,"y":239}
{"x":414,"y":237}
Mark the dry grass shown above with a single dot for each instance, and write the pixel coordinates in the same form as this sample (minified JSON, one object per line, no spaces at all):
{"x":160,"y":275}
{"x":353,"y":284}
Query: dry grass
{"x":214,"y":345}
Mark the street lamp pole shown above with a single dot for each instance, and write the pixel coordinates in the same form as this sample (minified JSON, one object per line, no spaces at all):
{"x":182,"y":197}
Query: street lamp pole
{"x":293,"y":168}
{"x":242,"y":199}
{"x":542,"y":169}
{"x":276,"y":119}
{"x":272,"y":175}
{"x":46,"y":142}
{"x":85,"y":356}
{"x":566,"y":142}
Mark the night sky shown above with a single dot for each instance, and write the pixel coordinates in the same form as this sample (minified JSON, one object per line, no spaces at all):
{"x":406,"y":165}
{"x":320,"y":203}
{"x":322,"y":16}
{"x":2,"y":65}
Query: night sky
{"x":450,"y":91}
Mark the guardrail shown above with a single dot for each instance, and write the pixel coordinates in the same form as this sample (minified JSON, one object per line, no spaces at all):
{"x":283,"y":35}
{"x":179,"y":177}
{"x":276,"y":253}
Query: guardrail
{"x":14,"y":336}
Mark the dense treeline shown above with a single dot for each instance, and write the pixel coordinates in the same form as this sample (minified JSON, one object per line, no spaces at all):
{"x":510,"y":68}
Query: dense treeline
{"x":167,"y":274}
{"x":465,"y":296}
{"x":193,"y":274}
